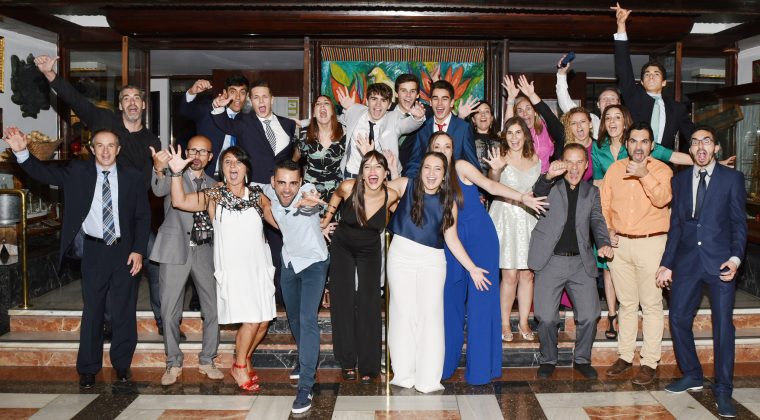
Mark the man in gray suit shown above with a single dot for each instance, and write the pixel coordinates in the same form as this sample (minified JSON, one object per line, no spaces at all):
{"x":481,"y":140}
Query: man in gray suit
{"x":562,"y":257}
{"x":184,"y":246}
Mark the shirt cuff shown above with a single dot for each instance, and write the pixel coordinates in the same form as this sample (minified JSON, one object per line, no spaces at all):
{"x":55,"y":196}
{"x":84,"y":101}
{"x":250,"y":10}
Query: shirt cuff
{"x":217,"y":111}
{"x":621,"y":36}
{"x":22,"y":156}
{"x":736,"y":260}
{"x":189,"y":97}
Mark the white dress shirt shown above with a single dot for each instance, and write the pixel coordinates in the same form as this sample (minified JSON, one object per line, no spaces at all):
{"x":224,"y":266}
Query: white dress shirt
{"x":282,"y":138}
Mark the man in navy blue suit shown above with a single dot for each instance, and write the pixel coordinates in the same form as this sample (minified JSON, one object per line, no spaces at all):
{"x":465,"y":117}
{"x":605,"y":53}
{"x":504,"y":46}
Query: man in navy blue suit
{"x":706,"y":243}
{"x":108,"y":201}
{"x":199,"y":110}
{"x":442,"y":101}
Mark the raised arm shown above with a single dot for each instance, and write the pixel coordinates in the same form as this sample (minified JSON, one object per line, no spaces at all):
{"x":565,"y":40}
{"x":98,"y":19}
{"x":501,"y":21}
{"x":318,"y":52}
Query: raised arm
{"x":231,"y":126}
{"x":180,"y":200}
{"x":566,"y":103}
{"x":508,"y":83}
{"x":191,"y":106}
{"x":623,"y":66}
{"x":47,"y":174}
{"x":552,"y":123}
{"x":341,"y":193}
{"x":160,"y":184}
{"x":472,"y":174}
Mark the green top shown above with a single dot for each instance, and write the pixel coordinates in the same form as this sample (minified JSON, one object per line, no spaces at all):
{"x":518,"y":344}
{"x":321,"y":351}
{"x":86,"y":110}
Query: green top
{"x":602,"y":158}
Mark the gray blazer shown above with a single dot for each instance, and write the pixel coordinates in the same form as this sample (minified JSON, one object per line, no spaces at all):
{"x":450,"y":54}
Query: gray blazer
{"x":588,"y":220}
{"x":173,"y":238}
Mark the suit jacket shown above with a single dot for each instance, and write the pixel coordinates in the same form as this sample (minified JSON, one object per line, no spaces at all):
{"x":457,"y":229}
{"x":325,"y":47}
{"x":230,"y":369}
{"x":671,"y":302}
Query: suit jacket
{"x":641,"y":104}
{"x":719,"y":233}
{"x":387,"y":131}
{"x":173,"y":238}
{"x":251,"y":137}
{"x":588,"y":221}
{"x":78,"y":182}
{"x":464,"y":144}
{"x":199,"y":110}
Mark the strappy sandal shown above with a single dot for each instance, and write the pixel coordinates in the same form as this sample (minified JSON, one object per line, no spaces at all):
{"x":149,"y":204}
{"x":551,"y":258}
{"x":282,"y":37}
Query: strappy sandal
{"x":246,"y":386}
{"x":252,"y":374}
{"x":611,"y":334}
{"x":507,"y":336}
{"x":349,"y":374}
{"x":326,"y":299}
{"x":366,"y":379}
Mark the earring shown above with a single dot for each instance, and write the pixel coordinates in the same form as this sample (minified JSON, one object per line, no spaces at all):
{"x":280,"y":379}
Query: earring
{"x":245,"y":179}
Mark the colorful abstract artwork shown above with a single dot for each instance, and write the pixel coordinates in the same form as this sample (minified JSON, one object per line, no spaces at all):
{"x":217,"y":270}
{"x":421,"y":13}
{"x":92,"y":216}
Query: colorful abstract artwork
{"x":467,"y":78}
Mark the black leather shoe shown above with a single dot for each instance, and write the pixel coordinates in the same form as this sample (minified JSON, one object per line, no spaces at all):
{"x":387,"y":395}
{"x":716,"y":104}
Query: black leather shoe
{"x":86,"y":380}
{"x":161,"y":330}
{"x":107,"y":332}
{"x":586,"y":370}
{"x":545,"y":370}
{"x":182,"y":336}
{"x":122,"y":374}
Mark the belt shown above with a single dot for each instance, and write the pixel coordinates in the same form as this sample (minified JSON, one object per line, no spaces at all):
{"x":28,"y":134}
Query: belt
{"x":649,"y":235}
{"x":567,"y":254}
{"x":100,"y":240}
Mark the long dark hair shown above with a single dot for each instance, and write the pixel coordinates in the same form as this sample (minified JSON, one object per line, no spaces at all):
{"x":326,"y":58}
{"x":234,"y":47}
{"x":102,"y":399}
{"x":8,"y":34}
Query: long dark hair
{"x":312,"y":133}
{"x":357,"y":193}
{"x":242,"y":157}
{"x":445,"y":195}
{"x":627,"y":122}
{"x":452,"y":171}
{"x":528,"y":148}
{"x":491,"y":134}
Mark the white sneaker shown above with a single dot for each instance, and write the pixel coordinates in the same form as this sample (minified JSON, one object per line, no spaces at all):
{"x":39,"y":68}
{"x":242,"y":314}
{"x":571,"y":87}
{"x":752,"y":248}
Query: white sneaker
{"x":211,"y":371}
{"x":171,"y":375}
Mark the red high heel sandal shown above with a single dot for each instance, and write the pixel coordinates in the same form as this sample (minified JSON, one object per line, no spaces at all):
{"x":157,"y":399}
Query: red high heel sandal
{"x":247,"y":386}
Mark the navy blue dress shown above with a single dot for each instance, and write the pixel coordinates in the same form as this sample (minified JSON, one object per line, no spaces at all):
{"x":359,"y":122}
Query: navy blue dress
{"x":478,"y":236}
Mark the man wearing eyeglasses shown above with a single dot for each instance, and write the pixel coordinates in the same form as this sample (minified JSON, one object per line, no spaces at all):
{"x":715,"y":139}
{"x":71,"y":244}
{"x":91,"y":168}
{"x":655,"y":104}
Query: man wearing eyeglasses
{"x":184,"y":246}
{"x":705,"y":246}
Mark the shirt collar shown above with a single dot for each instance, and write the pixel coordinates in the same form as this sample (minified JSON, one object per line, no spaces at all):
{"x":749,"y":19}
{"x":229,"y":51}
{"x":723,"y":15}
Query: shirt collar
{"x":112,"y":169}
{"x":446,"y":121}
{"x":710,"y":168}
{"x":231,"y":113}
{"x":270,"y":118}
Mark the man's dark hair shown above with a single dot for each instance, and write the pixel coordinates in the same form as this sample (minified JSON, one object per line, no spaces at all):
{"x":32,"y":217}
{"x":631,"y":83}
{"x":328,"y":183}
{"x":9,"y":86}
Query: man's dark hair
{"x":575,"y":146}
{"x":443,"y":84}
{"x":709,"y":129}
{"x":407,"y":77}
{"x":105,"y":130}
{"x":287,"y":165}
{"x":237,"y":80}
{"x":641,"y":125}
{"x":659,"y":66}
{"x":380,"y":89}
{"x":261,"y":83}
{"x":141,"y":92}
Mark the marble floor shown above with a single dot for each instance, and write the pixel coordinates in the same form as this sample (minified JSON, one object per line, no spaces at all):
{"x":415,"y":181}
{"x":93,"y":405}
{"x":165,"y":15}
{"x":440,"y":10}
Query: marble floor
{"x":53,"y":393}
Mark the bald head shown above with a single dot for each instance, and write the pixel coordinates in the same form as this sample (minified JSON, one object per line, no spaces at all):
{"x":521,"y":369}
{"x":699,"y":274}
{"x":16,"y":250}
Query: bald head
{"x":199,"y":149}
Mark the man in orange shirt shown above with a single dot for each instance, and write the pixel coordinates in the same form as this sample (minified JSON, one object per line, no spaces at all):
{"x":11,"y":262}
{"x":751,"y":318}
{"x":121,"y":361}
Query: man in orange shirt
{"x":635,"y":197}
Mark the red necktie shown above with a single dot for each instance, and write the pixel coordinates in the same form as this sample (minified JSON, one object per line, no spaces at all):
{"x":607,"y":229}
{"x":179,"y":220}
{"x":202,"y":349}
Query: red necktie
{"x":440,"y":126}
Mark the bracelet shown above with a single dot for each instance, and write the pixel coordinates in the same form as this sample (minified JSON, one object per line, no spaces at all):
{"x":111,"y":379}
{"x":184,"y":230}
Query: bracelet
{"x":174,"y":174}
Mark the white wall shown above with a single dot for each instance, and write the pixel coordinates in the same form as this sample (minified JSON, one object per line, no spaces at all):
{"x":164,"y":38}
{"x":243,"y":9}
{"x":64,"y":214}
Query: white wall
{"x":21,"y":46}
{"x":162,"y":85}
{"x":749,"y":51}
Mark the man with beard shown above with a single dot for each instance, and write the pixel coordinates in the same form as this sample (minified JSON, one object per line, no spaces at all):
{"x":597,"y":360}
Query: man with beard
{"x":184,"y":245}
{"x":706,"y":242}
{"x":305,"y":260}
{"x":635,"y":197}
{"x":135,"y":140}
{"x":198,"y":110}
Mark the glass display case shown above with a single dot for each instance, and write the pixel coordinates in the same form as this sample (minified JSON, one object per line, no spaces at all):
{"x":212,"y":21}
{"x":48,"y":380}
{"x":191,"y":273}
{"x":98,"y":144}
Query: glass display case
{"x":735,"y":113}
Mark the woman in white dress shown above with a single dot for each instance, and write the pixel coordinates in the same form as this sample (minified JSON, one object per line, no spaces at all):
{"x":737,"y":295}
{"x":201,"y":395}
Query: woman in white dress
{"x":518,"y":167}
{"x":243,"y":266}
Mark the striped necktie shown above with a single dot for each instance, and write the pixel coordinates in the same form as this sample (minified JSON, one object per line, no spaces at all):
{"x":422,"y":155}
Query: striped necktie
{"x":270,"y":135}
{"x":109,"y":229}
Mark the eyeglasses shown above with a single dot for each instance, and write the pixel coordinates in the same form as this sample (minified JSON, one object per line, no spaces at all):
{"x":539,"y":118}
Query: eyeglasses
{"x":705,"y":141}
{"x":200,"y":152}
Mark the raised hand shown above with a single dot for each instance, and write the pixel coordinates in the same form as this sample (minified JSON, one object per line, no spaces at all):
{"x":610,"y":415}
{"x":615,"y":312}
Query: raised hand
{"x":160,"y":159}
{"x":508,"y":83}
{"x":46,"y":66}
{"x":363,"y":143}
{"x":479,"y":278}
{"x":730,"y":162}
{"x":436,"y":74}
{"x":310,"y":199}
{"x":468,"y":107}
{"x":417,"y":111}
{"x":538,"y":204}
{"x":495,"y":160}
{"x":176,"y":163}
{"x":222,"y":100}
{"x":344,"y":98}
{"x":605,"y":252}
{"x":392,"y":163}
{"x":527,"y":88}
{"x":15,"y":139}
{"x":200,"y":85}
{"x":563,"y":70}
{"x":556,"y":168}
{"x":621,"y":15}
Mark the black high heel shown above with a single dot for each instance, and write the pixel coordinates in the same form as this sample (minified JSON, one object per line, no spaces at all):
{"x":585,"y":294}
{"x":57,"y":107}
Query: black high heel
{"x":611,"y":334}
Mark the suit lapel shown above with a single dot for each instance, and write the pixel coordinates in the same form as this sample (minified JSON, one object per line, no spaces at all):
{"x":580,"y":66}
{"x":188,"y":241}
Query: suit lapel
{"x":123,"y":185}
{"x":563,"y":194}
{"x":90,"y":182}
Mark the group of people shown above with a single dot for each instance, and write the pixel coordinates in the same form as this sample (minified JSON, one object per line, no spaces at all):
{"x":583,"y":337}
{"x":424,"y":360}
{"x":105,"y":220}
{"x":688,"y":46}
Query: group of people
{"x":257,"y":211}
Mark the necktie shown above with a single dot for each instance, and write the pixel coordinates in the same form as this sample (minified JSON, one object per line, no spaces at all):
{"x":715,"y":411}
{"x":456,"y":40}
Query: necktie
{"x":440,"y":126}
{"x":233,"y":140}
{"x":109,"y":229}
{"x":270,"y":135}
{"x":655,"y":122}
{"x":701,"y":191}
{"x":371,"y":131}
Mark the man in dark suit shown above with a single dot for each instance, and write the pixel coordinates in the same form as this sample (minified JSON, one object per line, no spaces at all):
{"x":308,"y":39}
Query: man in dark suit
{"x":108,"y":201}
{"x":268,"y":139}
{"x":646,"y":102}
{"x":198,"y":109}
{"x":706,"y":243}
{"x":442,"y":101}
{"x":563,"y":259}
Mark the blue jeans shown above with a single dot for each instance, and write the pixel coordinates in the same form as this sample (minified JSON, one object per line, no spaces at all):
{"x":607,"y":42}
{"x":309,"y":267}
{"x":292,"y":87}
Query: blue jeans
{"x":302,"y":293}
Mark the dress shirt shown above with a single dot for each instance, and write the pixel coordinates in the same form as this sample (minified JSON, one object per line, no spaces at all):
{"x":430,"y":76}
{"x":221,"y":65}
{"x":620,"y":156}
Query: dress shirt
{"x":568,"y":241}
{"x":446,"y":121}
{"x":637,"y":206}
{"x":303,"y":243}
{"x":281,"y":137}
{"x":355,"y":157}
{"x":227,"y":138}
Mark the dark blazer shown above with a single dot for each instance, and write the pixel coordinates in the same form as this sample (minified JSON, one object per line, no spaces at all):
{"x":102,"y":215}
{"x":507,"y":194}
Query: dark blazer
{"x":78,"y":181}
{"x":199,"y":110}
{"x":641,"y":104}
{"x":251,"y":137}
{"x":588,"y":220}
{"x":459,"y":130}
{"x":719,"y":233}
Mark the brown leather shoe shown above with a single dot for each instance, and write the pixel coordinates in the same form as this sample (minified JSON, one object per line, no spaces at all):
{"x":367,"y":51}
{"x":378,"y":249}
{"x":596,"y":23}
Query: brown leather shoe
{"x":618,"y":367}
{"x":644,"y":376}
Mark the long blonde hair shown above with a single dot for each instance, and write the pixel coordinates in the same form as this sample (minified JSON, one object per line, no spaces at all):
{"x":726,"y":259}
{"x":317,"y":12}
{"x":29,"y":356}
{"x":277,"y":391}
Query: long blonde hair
{"x":569,"y":132}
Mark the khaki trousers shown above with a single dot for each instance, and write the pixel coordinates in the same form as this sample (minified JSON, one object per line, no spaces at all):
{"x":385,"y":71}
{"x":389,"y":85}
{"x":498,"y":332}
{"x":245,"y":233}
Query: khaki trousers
{"x":633,"y":274}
